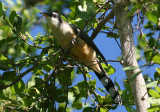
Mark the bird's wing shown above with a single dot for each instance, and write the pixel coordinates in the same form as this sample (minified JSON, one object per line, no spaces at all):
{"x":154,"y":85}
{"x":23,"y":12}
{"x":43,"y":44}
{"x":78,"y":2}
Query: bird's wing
{"x":86,"y":38}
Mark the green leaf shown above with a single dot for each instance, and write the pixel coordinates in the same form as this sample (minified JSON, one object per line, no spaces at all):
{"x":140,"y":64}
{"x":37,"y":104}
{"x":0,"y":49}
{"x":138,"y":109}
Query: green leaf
{"x":149,"y":25}
{"x":153,"y":108}
{"x":134,"y":8}
{"x":9,"y":76}
{"x":154,"y":93}
{"x":130,"y":108}
{"x":153,"y":100}
{"x":131,"y":68}
{"x":152,"y":42}
{"x":152,"y":16}
{"x":152,"y":84}
{"x":77,"y":104}
{"x":136,"y":74}
{"x":18,"y":23}
{"x":1,"y":9}
{"x":156,"y":75}
{"x":19,"y":88}
{"x":64,"y":77}
{"x":30,"y":36}
{"x":31,"y":82}
{"x":64,"y":18}
{"x":142,"y":40}
{"x":3,"y":58}
{"x":158,"y":70}
{"x":112,"y":35}
{"x":103,"y":110}
{"x":157,"y":89}
{"x":89,"y":109}
{"x":151,"y":56}
{"x":81,"y":88}
{"x":79,"y":22}
{"x":156,"y":58}
{"x":90,"y":7}
{"x":24,"y":47}
{"x":109,"y":69}
{"x":6,"y":41}
{"x":12,"y":16}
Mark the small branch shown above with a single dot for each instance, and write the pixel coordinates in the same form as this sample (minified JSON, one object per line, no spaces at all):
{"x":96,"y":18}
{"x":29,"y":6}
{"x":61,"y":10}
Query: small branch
{"x":66,"y":101}
{"x":101,"y":24}
{"x":21,"y":36}
{"x":87,"y":86}
{"x":91,"y":19}
{"x":118,"y":43}
{"x":113,"y":61}
{"x":18,"y":79}
{"x":38,"y":100}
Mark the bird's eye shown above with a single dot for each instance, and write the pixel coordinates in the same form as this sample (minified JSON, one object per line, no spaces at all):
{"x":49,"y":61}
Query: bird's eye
{"x":54,"y":15}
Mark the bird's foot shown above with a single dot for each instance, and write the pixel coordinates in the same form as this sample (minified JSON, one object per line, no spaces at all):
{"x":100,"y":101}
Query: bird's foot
{"x":74,"y":41}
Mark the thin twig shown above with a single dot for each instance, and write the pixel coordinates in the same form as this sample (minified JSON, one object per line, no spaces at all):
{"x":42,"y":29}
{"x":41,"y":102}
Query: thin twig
{"x":118,"y":43}
{"x":22,"y":37}
{"x":87,"y":85}
{"x":66,"y":101}
{"x":90,"y":19}
{"x":37,"y":101}
{"x":19,"y":78}
{"x":101,"y":24}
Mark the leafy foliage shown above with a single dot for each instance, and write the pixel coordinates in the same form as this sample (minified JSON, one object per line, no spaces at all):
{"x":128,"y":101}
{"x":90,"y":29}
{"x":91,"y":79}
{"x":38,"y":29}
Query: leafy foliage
{"x":52,"y":83}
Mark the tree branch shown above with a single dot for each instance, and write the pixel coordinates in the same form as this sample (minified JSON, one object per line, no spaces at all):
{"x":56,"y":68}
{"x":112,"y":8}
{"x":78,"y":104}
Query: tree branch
{"x":87,"y":85}
{"x":101,"y":24}
{"x":91,"y":18}
{"x":21,"y":36}
{"x":18,"y":78}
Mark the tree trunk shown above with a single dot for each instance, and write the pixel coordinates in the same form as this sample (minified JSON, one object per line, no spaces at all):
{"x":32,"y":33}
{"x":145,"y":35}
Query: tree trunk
{"x":128,"y":55}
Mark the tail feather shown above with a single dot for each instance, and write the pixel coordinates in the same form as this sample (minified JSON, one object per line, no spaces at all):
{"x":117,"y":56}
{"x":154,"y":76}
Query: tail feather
{"x":109,"y":86}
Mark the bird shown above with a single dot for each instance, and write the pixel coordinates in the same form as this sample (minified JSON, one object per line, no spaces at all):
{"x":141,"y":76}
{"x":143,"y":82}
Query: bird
{"x":81,"y":48}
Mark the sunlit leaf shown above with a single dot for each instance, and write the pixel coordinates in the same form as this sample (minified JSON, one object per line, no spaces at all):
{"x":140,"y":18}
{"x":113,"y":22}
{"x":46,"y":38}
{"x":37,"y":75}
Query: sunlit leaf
{"x":136,"y":74}
{"x":63,"y":18}
{"x":152,"y":84}
{"x":153,"y":100}
{"x":154,"y":93}
{"x":109,"y":69}
{"x":157,"y":89}
{"x":152,"y":16}
{"x":151,"y":56}
{"x":158,"y":70}
{"x":103,"y":110}
{"x":153,"y":108}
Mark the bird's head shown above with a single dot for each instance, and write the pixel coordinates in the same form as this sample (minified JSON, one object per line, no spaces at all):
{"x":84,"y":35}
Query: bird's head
{"x":53,"y":19}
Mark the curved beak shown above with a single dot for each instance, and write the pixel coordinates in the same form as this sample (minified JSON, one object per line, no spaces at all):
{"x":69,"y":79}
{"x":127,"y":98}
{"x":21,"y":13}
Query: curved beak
{"x":44,"y":13}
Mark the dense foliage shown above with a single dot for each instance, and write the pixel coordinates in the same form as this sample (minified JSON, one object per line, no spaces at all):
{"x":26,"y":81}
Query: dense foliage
{"x":53,"y":72}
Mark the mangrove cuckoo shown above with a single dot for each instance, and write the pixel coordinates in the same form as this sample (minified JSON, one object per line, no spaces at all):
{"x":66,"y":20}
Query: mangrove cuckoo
{"x":81,"y":48}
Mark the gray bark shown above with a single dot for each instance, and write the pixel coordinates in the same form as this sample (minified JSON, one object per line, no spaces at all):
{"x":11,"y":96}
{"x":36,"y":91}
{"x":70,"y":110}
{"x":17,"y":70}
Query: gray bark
{"x":128,"y":55}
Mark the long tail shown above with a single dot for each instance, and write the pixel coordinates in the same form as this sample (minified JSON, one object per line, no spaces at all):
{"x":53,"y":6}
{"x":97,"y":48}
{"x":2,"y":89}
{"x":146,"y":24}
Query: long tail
{"x":109,"y":86}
